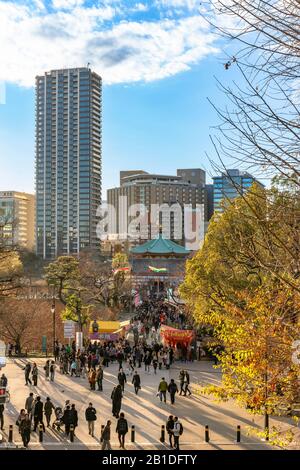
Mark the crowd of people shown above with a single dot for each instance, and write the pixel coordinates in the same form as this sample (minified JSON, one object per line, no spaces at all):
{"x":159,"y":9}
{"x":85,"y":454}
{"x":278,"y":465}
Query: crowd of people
{"x":144,"y":353}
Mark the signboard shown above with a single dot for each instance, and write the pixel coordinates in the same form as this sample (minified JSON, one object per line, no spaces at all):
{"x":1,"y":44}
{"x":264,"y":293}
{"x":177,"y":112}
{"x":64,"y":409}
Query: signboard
{"x":98,"y":328}
{"x":79,"y":340}
{"x":69,"y":329}
{"x":174,"y":336}
{"x":44,"y":343}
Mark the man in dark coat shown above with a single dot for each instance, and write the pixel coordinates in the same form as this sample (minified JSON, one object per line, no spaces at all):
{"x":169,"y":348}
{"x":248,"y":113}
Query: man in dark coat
{"x":187,"y":383}
{"x":48,"y":410}
{"x":122,"y":430}
{"x":181,"y":381}
{"x":120,"y":359}
{"x":27,"y":370}
{"x":136,"y":380}
{"x":90,"y":416}
{"x":105,"y":437}
{"x":38,"y":413}
{"x":169,"y":429}
{"x":122,"y":379}
{"x":172,"y":389}
{"x":67,"y":419}
{"x":116,"y":397}
{"x":25,"y":427}
{"x":74,"y":417}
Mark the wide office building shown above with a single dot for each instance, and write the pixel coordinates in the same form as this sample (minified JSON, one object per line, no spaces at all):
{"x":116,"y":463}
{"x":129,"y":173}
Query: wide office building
{"x":68,"y":160}
{"x":169,"y":201}
{"x":229,"y":185}
{"x":17,"y":219}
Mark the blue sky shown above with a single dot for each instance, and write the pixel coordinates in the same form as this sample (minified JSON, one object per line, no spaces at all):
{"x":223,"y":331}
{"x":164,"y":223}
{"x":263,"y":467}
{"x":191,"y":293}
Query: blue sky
{"x":157,"y":59}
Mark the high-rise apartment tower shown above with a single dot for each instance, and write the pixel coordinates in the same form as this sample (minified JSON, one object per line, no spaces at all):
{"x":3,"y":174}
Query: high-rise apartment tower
{"x":68,"y":160}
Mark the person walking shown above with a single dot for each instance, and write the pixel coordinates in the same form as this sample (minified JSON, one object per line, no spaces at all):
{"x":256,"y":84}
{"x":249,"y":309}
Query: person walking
{"x":73,"y":368}
{"x":25,"y":428}
{"x":48,"y":410}
{"x":181,"y":381}
{"x":136,"y":380}
{"x":27,"y":370}
{"x":162,"y":389}
{"x":34,"y":374}
{"x":1,"y":416}
{"x":187,"y":383}
{"x":38,"y":413}
{"x":147,"y":361}
{"x":29,"y":404}
{"x":105,"y":436}
{"x":92,"y":379}
{"x":47,"y":369}
{"x":122,"y":379}
{"x":56,"y":351}
{"x":122,"y":430}
{"x":90,"y":416}
{"x":160,"y":356}
{"x":3,"y":381}
{"x":52,"y":371}
{"x":99,"y":378}
{"x":172,"y":389}
{"x":169,"y":429}
{"x":73,"y":417}
{"x":138,"y":357}
{"x":177,"y":432}
{"x":20,"y":418}
{"x":116,"y":397}
{"x":66,"y":419}
{"x":154,"y":363}
{"x":120,"y":359}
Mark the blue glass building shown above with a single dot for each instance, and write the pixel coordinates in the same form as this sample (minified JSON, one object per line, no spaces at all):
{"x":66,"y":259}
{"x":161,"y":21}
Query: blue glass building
{"x":68,"y":160}
{"x":230,"y":185}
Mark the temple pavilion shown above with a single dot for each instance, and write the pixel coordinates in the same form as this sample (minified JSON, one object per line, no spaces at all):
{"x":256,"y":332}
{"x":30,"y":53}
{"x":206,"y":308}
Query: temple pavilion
{"x":158,"y":265}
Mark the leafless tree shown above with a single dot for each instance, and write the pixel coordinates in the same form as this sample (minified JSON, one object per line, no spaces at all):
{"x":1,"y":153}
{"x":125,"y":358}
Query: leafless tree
{"x":260,"y":126}
{"x":10,"y":264}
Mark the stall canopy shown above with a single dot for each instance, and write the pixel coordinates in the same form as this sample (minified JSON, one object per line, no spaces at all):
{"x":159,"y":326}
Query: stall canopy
{"x":174,"y":336}
{"x":108,"y":330}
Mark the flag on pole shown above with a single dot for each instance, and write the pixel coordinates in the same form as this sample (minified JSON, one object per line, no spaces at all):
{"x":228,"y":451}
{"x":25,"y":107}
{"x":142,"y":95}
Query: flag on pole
{"x":118,"y":270}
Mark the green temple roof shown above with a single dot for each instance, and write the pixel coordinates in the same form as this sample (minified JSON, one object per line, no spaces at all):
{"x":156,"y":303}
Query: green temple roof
{"x":159,"y":246}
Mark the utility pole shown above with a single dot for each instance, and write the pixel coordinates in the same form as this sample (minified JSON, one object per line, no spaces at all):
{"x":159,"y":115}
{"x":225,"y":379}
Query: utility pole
{"x":54,"y":323}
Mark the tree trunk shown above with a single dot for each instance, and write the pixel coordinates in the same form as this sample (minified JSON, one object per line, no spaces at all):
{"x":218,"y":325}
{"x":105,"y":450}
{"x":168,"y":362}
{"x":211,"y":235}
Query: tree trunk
{"x":267,"y":425}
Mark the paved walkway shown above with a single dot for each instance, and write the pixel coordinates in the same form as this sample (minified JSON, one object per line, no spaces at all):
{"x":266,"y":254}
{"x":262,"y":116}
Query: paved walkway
{"x":144,"y":411}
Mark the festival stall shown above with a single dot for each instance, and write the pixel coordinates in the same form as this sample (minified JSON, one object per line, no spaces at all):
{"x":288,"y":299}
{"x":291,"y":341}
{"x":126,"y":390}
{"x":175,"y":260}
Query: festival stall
{"x":107,"y":330}
{"x":174,"y":337}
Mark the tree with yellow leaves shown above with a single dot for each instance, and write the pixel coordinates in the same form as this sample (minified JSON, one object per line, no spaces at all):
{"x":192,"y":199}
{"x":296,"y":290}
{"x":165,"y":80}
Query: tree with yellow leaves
{"x":244,"y":283}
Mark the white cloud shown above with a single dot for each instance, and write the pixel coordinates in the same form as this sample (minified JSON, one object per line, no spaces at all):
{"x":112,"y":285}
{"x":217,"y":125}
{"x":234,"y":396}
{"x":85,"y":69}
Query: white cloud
{"x":66,"y":4}
{"x":140,"y":7}
{"x":189,"y":4}
{"x":121,"y":51}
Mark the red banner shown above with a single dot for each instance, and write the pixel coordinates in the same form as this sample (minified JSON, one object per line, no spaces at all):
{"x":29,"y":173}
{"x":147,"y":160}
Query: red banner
{"x":174,"y":336}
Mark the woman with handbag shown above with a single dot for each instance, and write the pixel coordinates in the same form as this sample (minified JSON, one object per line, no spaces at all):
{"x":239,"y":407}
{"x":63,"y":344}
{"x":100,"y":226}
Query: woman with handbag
{"x":21,"y":417}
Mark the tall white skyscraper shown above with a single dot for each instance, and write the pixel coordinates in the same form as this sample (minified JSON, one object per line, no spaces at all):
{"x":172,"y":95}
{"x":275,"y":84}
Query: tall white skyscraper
{"x":68,"y":160}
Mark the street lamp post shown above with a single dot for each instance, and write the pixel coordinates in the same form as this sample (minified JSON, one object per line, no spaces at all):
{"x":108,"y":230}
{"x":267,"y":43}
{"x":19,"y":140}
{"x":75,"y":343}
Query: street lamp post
{"x":53,"y":322}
